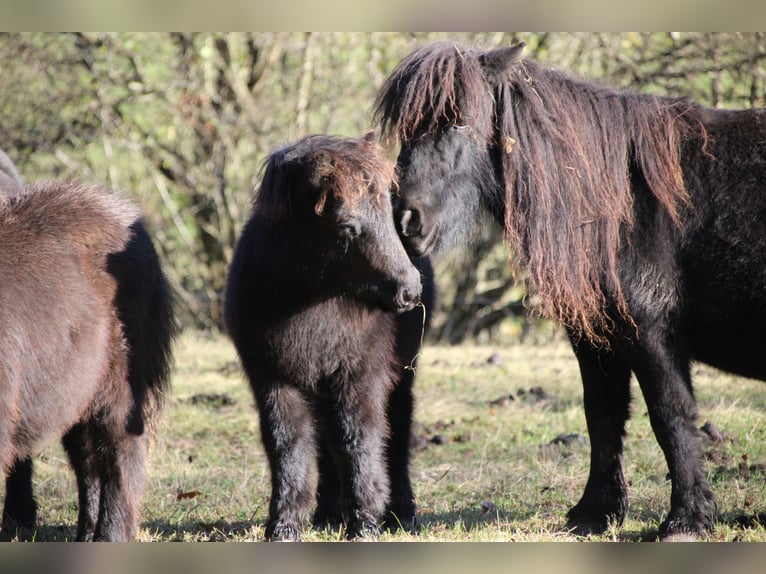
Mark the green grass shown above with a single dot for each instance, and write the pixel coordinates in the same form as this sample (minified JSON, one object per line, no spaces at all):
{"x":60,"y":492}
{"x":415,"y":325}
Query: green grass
{"x":484,"y":468}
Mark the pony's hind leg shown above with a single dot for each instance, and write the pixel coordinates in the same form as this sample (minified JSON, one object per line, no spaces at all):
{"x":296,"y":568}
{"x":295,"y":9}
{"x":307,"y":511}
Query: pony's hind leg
{"x":20,"y":508}
{"x":606,"y":394}
{"x":80,"y":448}
{"x":287,"y":431}
{"x":400,"y":512}
{"x":329,"y":510}
{"x":411,"y":327}
{"x":122,"y":465}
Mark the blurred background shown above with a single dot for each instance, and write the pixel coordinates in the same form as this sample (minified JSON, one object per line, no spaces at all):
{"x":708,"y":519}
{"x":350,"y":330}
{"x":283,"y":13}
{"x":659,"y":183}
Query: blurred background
{"x":182,"y":122}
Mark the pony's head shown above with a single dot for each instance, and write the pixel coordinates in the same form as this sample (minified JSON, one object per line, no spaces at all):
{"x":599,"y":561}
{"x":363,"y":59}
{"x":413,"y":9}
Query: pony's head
{"x":332,"y":197}
{"x":438,"y":104}
{"x":550,"y":157}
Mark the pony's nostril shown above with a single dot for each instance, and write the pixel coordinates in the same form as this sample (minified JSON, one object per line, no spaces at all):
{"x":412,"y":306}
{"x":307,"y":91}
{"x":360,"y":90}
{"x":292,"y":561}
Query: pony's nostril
{"x":411,"y":223}
{"x":407,"y":300}
{"x":409,"y":295}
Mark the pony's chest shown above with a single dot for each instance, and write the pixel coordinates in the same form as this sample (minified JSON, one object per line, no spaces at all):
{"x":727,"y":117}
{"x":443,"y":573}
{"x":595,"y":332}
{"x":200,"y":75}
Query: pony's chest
{"x":318,"y":341}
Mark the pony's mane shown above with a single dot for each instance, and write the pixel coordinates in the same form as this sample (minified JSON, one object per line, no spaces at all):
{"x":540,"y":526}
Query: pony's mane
{"x":440,"y":83}
{"x":566,"y":150}
{"x":342,"y":168}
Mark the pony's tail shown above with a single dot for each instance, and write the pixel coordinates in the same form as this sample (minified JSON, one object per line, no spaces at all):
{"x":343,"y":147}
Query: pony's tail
{"x":145,"y":304}
{"x":159,"y":338}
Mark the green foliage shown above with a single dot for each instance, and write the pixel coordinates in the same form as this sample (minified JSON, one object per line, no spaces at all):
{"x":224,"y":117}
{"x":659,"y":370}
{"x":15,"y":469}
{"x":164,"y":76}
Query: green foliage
{"x":183,"y":122}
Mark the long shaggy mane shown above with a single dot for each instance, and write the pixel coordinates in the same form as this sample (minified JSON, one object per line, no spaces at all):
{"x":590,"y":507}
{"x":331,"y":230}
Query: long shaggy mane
{"x":565,"y":150}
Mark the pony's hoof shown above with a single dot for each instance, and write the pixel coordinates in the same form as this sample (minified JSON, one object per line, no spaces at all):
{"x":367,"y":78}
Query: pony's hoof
{"x":680,"y":537}
{"x":283,"y":533}
{"x":400,"y":521}
{"x":584,"y":528}
{"x":581,"y":523}
{"x":363,"y":528}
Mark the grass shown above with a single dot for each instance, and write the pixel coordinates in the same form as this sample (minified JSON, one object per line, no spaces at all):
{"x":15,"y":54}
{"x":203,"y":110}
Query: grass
{"x":500,"y":452}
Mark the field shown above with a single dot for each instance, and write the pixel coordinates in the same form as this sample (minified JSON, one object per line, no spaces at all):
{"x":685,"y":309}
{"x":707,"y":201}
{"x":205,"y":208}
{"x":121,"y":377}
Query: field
{"x":500,"y":452}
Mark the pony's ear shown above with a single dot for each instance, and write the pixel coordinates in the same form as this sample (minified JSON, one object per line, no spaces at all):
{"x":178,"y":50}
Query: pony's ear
{"x":498,"y":61}
{"x":370,"y":136}
{"x":321,"y":166}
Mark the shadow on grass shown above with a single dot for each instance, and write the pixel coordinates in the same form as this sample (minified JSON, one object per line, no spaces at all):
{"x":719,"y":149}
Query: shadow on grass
{"x":743,"y":521}
{"x":158,"y":530}
{"x":218,"y":531}
{"x":42,"y":533}
{"x":466,"y":520}
{"x":469,"y":519}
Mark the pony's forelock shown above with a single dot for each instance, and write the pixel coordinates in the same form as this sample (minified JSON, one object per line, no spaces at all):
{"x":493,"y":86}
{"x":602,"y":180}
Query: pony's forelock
{"x":434,"y":85}
{"x":342,"y":168}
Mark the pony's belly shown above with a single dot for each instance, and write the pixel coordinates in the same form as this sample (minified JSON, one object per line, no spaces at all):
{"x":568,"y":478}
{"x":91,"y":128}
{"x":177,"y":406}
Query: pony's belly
{"x":725,"y":305}
{"x":736,"y":345}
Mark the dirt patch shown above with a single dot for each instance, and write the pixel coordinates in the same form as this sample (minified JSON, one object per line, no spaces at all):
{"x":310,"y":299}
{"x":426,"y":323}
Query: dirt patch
{"x":212,"y":400}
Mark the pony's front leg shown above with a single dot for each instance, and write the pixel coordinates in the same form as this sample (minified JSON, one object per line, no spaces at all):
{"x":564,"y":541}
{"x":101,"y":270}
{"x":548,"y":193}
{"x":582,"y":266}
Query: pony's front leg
{"x":121,"y":460}
{"x":288,"y":434}
{"x":665,"y":381}
{"x":606,"y":395}
{"x":361,"y":420}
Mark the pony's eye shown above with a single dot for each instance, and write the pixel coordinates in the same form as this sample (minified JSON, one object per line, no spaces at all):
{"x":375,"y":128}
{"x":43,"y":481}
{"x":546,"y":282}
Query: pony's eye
{"x":459,"y":127}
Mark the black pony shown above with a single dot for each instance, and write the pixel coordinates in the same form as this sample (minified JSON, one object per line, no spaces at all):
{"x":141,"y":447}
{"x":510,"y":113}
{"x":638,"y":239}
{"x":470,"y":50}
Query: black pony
{"x":314,"y":288}
{"x":640,"y":221}
{"x":86,"y":324}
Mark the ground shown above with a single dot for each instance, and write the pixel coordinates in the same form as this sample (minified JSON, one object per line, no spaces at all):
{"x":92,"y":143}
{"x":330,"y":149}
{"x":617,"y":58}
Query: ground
{"x":500,"y":452}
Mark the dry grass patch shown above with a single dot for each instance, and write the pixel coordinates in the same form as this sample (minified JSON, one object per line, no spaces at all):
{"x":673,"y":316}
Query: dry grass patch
{"x":500,"y":452}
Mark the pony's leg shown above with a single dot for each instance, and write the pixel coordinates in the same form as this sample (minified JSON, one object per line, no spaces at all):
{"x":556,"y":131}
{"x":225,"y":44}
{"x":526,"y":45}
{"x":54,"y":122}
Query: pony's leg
{"x":20,"y":508}
{"x":329,"y":511}
{"x":665,"y":381}
{"x":287,"y":430}
{"x":606,"y":394}
{"x":400,"y":512}
{"x":81,"y":451}
{"x":411,"y":328}
{"x":121,"y":463}
{"x":8,"y":407}
{"x":362,"y":425}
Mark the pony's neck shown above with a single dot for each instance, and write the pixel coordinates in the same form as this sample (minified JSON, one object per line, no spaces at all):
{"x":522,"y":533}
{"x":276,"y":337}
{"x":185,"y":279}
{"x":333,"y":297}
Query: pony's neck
{"x":568,"y":194}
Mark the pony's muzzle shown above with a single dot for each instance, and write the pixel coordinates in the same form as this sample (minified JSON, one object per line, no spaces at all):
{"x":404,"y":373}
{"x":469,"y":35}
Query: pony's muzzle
{"x":409,"y":291}
{"x":411,"y":223}
{"x":416,"y":238}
